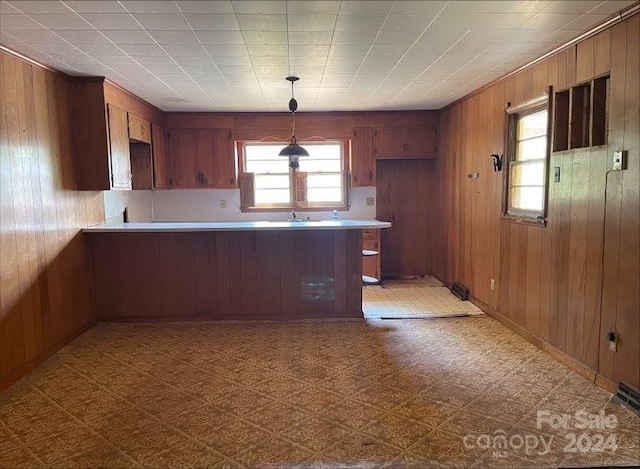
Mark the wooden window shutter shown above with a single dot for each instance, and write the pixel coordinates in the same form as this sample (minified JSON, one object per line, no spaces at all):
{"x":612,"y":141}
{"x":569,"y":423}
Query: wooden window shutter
{"x":247,"y":191}
{"x":300,"y":189}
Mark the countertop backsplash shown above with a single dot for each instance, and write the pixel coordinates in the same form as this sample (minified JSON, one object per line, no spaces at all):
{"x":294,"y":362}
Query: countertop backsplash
{"x":206,"y":205}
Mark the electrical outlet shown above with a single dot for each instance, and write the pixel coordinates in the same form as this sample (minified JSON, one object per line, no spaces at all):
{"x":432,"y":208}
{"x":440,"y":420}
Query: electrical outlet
{"x":612,"y":337}
{"x":613,"y":346}
{"x":371,"y":201}
{"x":493,"y":284}
{"x":223,"y":203}
{"x":619,"y":160}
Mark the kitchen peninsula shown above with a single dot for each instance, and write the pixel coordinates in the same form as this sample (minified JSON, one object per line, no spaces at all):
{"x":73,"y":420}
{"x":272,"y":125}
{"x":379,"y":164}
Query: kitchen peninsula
{"x":228,"y":270}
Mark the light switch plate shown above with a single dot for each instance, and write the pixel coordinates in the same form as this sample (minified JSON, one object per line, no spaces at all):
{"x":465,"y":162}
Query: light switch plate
{"x":223,"y":203}
{"x":619,"y":160}
{"x":371,"y":201}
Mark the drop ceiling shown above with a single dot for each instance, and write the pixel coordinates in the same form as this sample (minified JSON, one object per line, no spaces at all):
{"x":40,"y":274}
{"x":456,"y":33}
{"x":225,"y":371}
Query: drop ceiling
{"x":349,"y":55}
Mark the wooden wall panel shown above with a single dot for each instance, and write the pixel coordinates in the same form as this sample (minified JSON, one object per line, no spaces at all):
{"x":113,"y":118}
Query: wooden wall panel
{"x":46,"y":275}
{"x":551,"y":280}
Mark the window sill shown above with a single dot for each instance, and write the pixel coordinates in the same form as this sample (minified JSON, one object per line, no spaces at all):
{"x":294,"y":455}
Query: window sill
{"x":520,"y":220}
{"x":340,"y":208}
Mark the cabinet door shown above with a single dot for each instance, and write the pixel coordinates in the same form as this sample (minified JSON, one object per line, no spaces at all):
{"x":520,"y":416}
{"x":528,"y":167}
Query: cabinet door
{"x":363,"y":166}
{"x":389,"y":142}
{"x":139,"y":129}
{"x":184,"y":154}
{"x":217,"y":160}
{"x":420,"y":142}
{"x":119,"y":155}
{"x":160,"y":158}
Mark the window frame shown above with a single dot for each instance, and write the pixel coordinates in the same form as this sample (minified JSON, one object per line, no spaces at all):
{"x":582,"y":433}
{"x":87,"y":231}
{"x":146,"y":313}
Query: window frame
{"x":294,"y":181}
{"x":513,"y":115}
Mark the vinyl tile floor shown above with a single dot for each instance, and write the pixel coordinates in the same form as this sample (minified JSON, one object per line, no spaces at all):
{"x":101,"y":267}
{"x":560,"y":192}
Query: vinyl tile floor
{"x":455,"y":392}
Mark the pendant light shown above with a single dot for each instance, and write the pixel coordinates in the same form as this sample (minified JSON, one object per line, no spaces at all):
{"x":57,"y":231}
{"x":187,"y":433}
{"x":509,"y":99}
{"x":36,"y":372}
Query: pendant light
{"x":293,"y":151}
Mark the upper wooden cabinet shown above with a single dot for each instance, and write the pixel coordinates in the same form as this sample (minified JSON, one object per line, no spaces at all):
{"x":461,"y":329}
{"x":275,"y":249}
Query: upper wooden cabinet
{"x":363,"y":165}
{"x":120,"y":156}
{"x":161,"y":170}
{"x":404,"y":142}
{"x":139,"y":129}
{"x":202,"y":158}
{"x":112,"y":144}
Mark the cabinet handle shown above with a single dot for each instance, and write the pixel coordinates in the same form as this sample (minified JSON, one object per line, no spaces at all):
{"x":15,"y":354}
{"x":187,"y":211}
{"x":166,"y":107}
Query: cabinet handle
{"x":370,"y":175}
{"x":231,"y":180}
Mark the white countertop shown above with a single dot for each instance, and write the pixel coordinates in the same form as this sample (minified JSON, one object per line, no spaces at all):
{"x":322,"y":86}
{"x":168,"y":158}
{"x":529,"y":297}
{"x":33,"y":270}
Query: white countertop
{"x":159,"y":227}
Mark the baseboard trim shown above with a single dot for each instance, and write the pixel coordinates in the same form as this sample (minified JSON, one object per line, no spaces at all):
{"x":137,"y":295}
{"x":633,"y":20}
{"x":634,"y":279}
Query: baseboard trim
{"x":28,"y":367}
{"x":556,"y":353}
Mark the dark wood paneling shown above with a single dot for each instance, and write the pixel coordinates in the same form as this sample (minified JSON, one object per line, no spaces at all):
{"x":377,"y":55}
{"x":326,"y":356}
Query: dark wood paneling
{"x":46,"y":289}
{"x":228,"y":275}
{"x":403,"y":198}
{"x":553,"y":279}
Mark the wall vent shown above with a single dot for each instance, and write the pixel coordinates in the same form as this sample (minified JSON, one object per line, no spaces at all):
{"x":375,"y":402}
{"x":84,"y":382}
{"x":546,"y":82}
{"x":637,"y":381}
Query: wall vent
{"x":628,"y":396}
{"x":460,"y":291}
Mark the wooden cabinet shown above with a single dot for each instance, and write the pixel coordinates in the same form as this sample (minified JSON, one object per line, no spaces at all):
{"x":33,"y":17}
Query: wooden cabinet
{"x":120,"y":157}
{"x":371,"y":263}
{"x":111,"y":142}
{"x":139,"y":129}
{"x":363,"y":165}
{"x":404,"y":142}
{"x":202,"y":158}
{"x":161,"y":171}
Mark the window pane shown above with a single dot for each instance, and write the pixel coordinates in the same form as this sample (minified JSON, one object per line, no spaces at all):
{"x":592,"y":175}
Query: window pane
{"x":272,"y":196}
{"x":527,"y":174}
{"x":324,"y":195}
{"x":532,"y":125}
{"x":532,"y":149}
{"x":317,"y":166}
{"x":324,"y":180}
{"x":276,"y":181}
{"x":527,"y":198}
{"x":262,"y":151}
{"x":323,"y":150}
{"x":281,"y":165}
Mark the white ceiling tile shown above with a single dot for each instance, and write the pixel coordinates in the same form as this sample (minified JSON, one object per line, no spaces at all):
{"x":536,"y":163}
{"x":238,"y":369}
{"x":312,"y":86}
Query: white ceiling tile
{"x":100,"y":49}
{"x":37,"y":36}
{"x":267,"y":51}
{"x":497,"y":6}
{"x":94,"y":6}
{"x":11,"y":22}
{"x":148,"y":50}
{"x":340,"y":68}
{"x":163,"y":22}
{"x":395,"y":50}
{"x":611,"y":7}
{"x":574,"y":7}
{"x":209,"y":6}
{"x":184,"y":50}
{"x":357,"y":37}
{"x":262,"y":22}
{"x":487,"y":35}
{"x":359,"y":22}
{"x":309,"y":51}
{"x":311,"y":22}
{"x":226,"y":49}
{"x":504,"y":21}
{"x":417,"y":7}
{"x":83,"y":36}
{"x":233,"y":60}
{"x":327,"y":7}
{"x":163,"y":69}
{"x":114,"y":59}
{"x":174,"y":37}
{"x":154,"y":59}
{"x":407,"y":22}
{"x":111,"y":20}
{"x":349,"y":51}
{"x":398,"y":37}
{"x":265,"y":38}
{"x":60,"y":21}
{"x":42,"y":6}
{"x":269,"y":60}
{"x":130,"y":36}
{"x":586,"y":22}
{"x":205,"y":22}
{"x":259,"y":7}
{"x":220,"y":37}
{"x":150,"y":6}
{"x":372,"y":7}
{"x":456,"y":21}
{"x":310,"y":38}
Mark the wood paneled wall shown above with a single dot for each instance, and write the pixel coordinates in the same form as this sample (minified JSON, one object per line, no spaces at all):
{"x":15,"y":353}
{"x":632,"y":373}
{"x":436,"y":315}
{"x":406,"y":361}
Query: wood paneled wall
{"x":46,"y":289}
{"x":567,"y":283}
{"x":254,"y":126}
